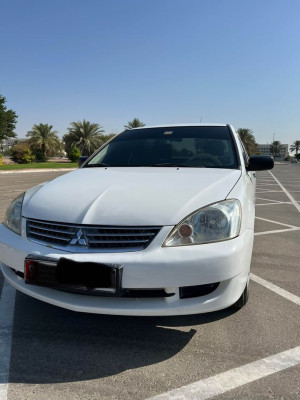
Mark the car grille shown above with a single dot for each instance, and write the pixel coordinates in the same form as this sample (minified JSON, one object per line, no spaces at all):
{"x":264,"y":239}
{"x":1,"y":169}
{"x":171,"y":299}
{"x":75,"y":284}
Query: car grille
{"x":91,"y":236}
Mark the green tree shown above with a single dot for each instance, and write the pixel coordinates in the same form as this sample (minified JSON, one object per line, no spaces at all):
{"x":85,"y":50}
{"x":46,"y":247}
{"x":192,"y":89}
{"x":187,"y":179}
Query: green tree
{"x":74,"y":154}
{"x":8,"y":120}
{"x":135,"y":123}
{"x":21,"y":152}
{"x":295,"y":146}
{"x":86,"y":136}
{"x":275,"y":148}
{"x":106,"y":138}
{"x":44,"y":141}
{"x":248,"y":139}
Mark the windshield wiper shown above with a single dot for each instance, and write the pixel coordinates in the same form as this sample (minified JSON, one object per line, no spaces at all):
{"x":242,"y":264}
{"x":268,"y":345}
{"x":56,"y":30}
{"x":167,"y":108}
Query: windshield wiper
{"x":96,"y":165}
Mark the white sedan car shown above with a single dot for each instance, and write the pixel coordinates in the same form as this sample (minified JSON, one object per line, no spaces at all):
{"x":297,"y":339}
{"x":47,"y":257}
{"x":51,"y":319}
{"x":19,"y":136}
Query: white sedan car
{"x":159,"y":221}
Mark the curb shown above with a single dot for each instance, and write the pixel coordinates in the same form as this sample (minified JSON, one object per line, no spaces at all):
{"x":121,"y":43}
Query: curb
{"x":23,"y":171}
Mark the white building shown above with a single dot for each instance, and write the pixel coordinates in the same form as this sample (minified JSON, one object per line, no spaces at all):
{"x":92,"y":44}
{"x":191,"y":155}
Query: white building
{"x":7,"y":144}
{"x":265,"y":150}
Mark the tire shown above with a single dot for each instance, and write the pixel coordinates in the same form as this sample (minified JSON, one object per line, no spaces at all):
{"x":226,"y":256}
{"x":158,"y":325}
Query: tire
{"x":242,"y":301}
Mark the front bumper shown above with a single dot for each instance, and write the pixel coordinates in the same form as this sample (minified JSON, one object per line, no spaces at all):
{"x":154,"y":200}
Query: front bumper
{"x":226,"y":262}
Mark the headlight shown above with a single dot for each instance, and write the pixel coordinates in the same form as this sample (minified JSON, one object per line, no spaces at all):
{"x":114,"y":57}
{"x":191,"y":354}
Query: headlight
{"x":13,"y":216}
{"x":214,"y":223}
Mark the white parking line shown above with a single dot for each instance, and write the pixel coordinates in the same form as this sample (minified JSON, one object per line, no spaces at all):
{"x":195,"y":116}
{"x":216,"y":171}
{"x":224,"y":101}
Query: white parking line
{"x":287,"y":193}
{"x":287,"y":295}
{"x":274,"y":201}
{"x":276,"y":231}
{"x":234,"y":378}
{"x":273,"y":204}
{"x":7,"y":306}
{"x":289,"y":184}
{"x":34,"y":170}
{"x":268,"y":191}
{"x":278,"y":223}
{"x":260,"y":187}
{"x":267,"y":184}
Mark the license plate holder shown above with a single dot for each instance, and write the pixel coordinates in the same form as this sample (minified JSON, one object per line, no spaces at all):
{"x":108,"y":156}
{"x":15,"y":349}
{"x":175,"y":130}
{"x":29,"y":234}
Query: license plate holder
{"x":73,"y":276}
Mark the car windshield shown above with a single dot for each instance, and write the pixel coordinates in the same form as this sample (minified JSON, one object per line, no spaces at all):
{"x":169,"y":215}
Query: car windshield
{"x":194,"y":147}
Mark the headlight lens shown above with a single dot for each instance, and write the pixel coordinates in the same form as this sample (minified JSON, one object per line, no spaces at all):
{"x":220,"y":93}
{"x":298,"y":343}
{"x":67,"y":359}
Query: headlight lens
{"x":214,"y":223}
{"x":13,"y":216}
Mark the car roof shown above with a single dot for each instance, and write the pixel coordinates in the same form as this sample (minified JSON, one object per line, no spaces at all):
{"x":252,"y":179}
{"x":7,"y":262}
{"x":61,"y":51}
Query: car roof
{"x":176,"y":125}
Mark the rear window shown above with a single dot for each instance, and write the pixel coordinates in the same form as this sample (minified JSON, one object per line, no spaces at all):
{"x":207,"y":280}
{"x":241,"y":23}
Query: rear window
{"x":205,"y":146}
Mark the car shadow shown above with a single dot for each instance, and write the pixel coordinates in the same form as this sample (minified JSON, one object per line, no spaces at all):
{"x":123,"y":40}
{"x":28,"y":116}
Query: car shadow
{"x":54,"y":345}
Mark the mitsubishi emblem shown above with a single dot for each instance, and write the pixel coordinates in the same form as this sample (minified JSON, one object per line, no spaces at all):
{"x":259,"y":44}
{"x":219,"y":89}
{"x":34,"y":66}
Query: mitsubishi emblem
{"x":79,"y":238}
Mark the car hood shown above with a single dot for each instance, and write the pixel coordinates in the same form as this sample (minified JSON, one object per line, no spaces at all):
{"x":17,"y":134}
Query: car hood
{"x":128,"y":196}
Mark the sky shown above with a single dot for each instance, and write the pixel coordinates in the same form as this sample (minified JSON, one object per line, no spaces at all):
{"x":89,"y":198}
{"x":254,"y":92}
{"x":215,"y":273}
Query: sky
{"x":162,"y":61}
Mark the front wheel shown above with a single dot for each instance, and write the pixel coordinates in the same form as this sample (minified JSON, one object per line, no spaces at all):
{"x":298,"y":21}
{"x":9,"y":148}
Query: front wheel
{"x":242,"y":301}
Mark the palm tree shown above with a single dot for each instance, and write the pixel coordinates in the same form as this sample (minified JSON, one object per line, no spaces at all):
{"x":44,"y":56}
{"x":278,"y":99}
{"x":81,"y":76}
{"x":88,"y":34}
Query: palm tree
{"x":295,"y":146}
{"x":248,"y":139}
{"x":275,"y":148}
{"x":43,"y":139}
{"x":86,"y":136}
{"x":135,"y":123}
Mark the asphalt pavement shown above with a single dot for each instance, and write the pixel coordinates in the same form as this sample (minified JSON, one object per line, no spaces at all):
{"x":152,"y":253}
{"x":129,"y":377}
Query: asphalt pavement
{"x":58,"y":354}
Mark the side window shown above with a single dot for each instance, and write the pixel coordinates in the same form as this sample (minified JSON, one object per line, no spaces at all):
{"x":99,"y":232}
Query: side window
{"x":245,"y":154}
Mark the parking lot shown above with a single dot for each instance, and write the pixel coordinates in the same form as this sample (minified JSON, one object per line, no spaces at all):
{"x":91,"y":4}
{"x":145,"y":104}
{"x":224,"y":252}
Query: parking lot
{"x":52,"y":353}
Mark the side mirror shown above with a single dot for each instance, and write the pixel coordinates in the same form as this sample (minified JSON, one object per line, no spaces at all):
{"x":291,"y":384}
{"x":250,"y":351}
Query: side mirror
{"x":260,"y":163}
{"x":81,"y":160}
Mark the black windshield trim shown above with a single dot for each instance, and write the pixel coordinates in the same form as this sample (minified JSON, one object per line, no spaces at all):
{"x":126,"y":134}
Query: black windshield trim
{"x":235,"y":146}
